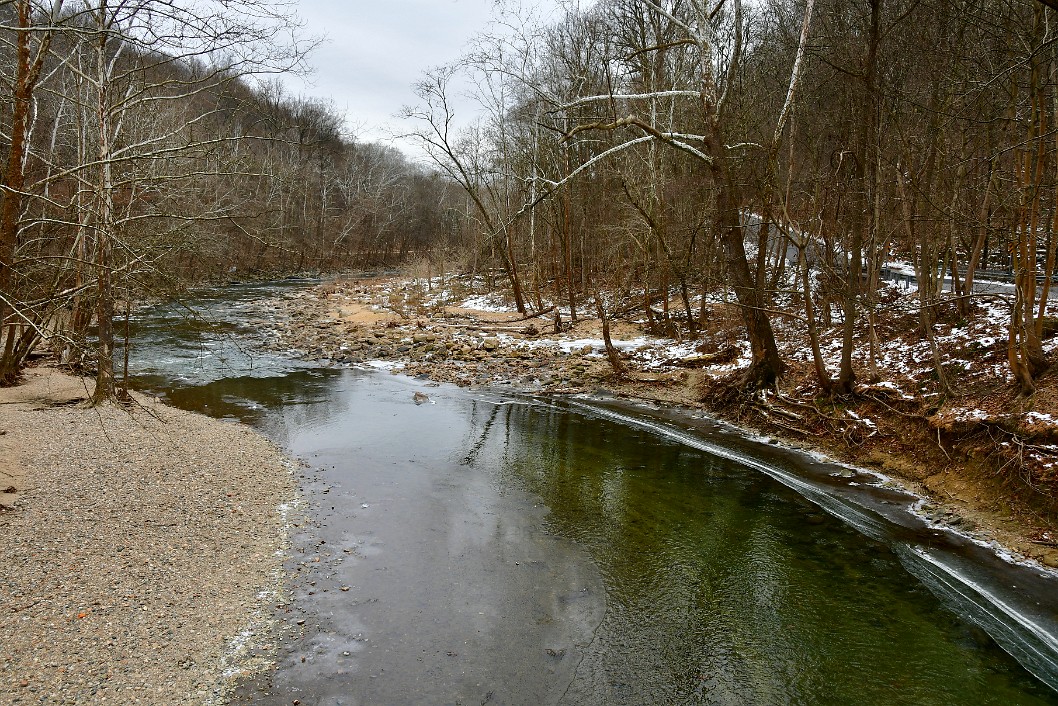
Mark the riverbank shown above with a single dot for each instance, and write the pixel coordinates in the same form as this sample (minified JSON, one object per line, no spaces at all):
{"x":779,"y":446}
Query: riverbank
{"x":141,"y":548}
{"x":983,"y":456}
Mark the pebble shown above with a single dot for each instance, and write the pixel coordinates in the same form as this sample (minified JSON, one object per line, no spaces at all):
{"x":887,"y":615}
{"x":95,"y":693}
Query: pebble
{"x":126,"y":572}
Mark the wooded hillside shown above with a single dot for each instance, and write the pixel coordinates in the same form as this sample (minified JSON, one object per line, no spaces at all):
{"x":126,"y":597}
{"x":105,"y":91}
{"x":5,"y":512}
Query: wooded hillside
{"x":781,"y":149}
{"x":148,"y":144}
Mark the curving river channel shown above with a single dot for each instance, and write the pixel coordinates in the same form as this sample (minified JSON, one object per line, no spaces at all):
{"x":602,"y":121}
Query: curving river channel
{"x":487,"y":547}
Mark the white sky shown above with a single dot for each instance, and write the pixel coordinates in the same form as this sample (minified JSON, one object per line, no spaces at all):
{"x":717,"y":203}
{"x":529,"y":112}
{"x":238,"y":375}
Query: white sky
{"x":376,"y":50}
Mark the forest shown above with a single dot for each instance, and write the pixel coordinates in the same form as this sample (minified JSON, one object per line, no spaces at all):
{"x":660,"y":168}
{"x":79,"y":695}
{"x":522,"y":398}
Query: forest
{"x":631,"y":158}
{"x":664,"y":351}
{"x":149,"y":145}
{"x":676,"y":149}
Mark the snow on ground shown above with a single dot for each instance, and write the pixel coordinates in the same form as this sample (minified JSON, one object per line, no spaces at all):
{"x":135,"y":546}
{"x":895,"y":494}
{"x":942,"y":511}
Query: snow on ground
{"x":971,"y":349}
{"x":383,"y":364}
{"x":493,"y":302}
{"x":962,"y":414}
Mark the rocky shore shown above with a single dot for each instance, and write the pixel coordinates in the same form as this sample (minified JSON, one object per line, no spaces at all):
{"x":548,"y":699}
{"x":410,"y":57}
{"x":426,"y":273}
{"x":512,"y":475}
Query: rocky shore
{"x":446,"y":332}
{"x":358,"y":324}
{"x":141,"y":548}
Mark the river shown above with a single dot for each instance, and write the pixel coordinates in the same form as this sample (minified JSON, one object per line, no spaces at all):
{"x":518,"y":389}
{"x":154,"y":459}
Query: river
{"x":487,"y":547}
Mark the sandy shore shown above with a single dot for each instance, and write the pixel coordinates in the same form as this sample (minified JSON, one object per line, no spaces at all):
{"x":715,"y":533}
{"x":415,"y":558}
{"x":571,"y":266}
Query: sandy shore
{"x":140,"y":549}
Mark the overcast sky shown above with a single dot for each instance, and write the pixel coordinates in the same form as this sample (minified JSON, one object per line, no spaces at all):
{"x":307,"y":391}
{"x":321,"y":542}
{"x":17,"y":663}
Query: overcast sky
{"x":376,"y":50}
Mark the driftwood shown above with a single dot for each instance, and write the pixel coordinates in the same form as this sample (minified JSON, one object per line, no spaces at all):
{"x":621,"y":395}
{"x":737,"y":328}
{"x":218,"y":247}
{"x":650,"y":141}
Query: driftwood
{"x":654,"y":377}
{"x":480,"y":327}
{"x":768,"y":410}
{"x":725,"y":355}
{"x":531,"y":315}
{"x":792,"y":416}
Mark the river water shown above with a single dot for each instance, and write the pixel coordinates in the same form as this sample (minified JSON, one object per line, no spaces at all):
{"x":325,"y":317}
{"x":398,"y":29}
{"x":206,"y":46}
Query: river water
{"x":487,"y":547}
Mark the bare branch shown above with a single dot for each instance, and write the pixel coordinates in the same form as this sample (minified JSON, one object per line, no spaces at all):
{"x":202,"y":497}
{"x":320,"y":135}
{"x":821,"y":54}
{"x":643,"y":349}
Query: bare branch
{"x":671,"y":138}
{"x":693,"y":35}
{"x":605,"y":97}
{"x":795,"y":73}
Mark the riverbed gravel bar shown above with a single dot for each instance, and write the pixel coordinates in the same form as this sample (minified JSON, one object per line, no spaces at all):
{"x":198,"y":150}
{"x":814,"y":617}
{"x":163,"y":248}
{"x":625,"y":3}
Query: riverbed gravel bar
{"x":141,"y":552}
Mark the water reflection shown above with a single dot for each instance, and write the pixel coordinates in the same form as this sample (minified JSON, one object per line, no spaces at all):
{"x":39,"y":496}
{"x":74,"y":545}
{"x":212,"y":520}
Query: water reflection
{"x":307,"y":396}
{"x":456,"y":594}
{"x":723,"y":586}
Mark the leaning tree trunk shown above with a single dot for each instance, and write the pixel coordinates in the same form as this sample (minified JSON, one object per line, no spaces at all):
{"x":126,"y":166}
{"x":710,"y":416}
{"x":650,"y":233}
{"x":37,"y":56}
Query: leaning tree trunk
{"x":612,"y":354}
{"x":825,"y":381}
{"x":766,"y":365}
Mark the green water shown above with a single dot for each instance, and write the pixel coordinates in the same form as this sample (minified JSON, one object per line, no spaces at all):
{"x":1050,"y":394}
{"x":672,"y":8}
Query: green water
{"x":725,"y":587}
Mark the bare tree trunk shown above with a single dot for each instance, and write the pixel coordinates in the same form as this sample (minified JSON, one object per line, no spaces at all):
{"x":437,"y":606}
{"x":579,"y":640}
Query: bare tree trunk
{"x":104,"y":225}
{"x":958,"y":284}
{"x":825,"y":381}
{"x":567,"y":249}
{"x":1026,"y":353}
{"x":27,"y":72}
{"x":862,"y":223}
{"x":612,"y":354}
{"x":766,"y":365}
{"x":925,"y":267}
{"x":984,"y":216}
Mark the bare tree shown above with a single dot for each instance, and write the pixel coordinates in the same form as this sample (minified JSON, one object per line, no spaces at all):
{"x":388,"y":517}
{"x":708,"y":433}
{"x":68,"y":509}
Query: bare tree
{"x":152,"y":56}
{"x":33,"y":31}
{"x":462,"y":160}
{"x":710,"y":34}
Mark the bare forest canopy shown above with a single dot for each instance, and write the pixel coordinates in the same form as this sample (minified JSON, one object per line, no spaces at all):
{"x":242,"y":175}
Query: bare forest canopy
{"x":632,"y":153}
{"x":147,"y":144}
{"x":787,"y":151}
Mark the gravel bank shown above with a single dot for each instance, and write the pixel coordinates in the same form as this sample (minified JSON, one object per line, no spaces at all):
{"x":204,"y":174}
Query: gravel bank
{"x":142,"y":556}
